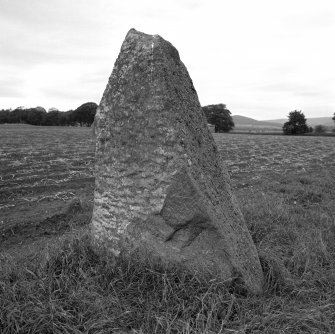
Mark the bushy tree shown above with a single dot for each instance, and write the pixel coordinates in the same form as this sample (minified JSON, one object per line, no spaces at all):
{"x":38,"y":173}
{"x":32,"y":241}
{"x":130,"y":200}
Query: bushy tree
{"x":4,"y":116}
{"x":219,"y":116}
{"x":84,"y":114}
{"x":36,"y":116}
{"x":296,"y":124}
{"x":18,"y":115}
{"x":52,"y":117}
{"x":320,"y":129}
{"x":333,"y":117}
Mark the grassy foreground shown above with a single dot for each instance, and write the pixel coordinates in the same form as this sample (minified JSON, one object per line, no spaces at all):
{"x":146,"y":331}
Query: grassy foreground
{"x":73,"y":289}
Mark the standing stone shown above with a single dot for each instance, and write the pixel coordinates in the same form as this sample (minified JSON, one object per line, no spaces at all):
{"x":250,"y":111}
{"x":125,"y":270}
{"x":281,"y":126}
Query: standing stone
{"x":160,"y":184}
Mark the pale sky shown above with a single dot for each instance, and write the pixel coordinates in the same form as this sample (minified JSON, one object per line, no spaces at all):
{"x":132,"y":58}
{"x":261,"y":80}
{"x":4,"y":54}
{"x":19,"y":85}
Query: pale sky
{"x":262,"y":58}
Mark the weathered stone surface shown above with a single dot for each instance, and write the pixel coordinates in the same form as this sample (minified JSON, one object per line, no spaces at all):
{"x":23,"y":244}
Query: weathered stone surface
{"x":160,"y":185}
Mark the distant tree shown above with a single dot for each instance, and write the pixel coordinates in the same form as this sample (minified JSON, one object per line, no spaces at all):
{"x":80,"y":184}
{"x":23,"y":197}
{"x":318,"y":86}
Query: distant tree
{"x":36,"y":116}
{"x":63,"y":118}
{"x":333,"y":117}
{"x":52,"y":109}
{"x":4,"y":116}
{"x":296,"y":124}
{"x":85,"y":113}
{"x":219,"y":116}
{"x":52,"y":117}
{"x":70,"y":117}
{"x":319,"y":129}
{"x":18,"y":115}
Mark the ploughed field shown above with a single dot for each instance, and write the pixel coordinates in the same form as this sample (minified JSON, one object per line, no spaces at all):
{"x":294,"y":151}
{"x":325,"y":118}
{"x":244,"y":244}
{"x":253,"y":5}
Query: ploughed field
{"x":258,"y":154}
{"x":43,"y":168}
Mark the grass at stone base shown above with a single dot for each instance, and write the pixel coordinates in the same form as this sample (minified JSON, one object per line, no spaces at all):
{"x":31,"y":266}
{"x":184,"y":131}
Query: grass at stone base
{"x":72,"y":289}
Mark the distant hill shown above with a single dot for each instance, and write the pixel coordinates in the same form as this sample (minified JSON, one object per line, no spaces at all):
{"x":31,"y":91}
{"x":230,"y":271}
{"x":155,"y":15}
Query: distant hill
{"x":327,"y":121}
{"x":247,"y":122}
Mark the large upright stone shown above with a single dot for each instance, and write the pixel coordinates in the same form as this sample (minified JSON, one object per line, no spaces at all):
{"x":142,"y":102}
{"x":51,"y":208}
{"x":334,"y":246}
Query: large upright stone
{"x":160,"y":184}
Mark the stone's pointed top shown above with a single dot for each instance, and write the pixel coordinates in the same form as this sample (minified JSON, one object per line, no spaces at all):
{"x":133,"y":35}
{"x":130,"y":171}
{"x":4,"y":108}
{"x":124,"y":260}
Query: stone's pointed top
{"x":136,"y":40}
{"x":133,"y":33}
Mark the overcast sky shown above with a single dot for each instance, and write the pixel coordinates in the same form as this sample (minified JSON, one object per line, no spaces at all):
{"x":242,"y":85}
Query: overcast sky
{"x":262,"y":58}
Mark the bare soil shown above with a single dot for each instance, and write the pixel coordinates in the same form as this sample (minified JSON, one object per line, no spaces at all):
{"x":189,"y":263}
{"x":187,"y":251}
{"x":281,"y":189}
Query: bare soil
{"x":44,"y":172}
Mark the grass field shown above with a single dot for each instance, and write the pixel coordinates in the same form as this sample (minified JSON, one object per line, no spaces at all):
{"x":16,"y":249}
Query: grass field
{"x":286,"y":189}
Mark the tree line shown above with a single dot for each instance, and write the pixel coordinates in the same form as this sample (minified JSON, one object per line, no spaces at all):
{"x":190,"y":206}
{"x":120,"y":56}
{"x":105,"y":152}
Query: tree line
{"x":216,"y":114}
{"x":83,"y":116}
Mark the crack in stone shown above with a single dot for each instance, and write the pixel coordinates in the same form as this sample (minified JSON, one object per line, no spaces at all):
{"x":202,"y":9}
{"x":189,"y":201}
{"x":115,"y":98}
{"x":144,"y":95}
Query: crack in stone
{"x":187,"y":233}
